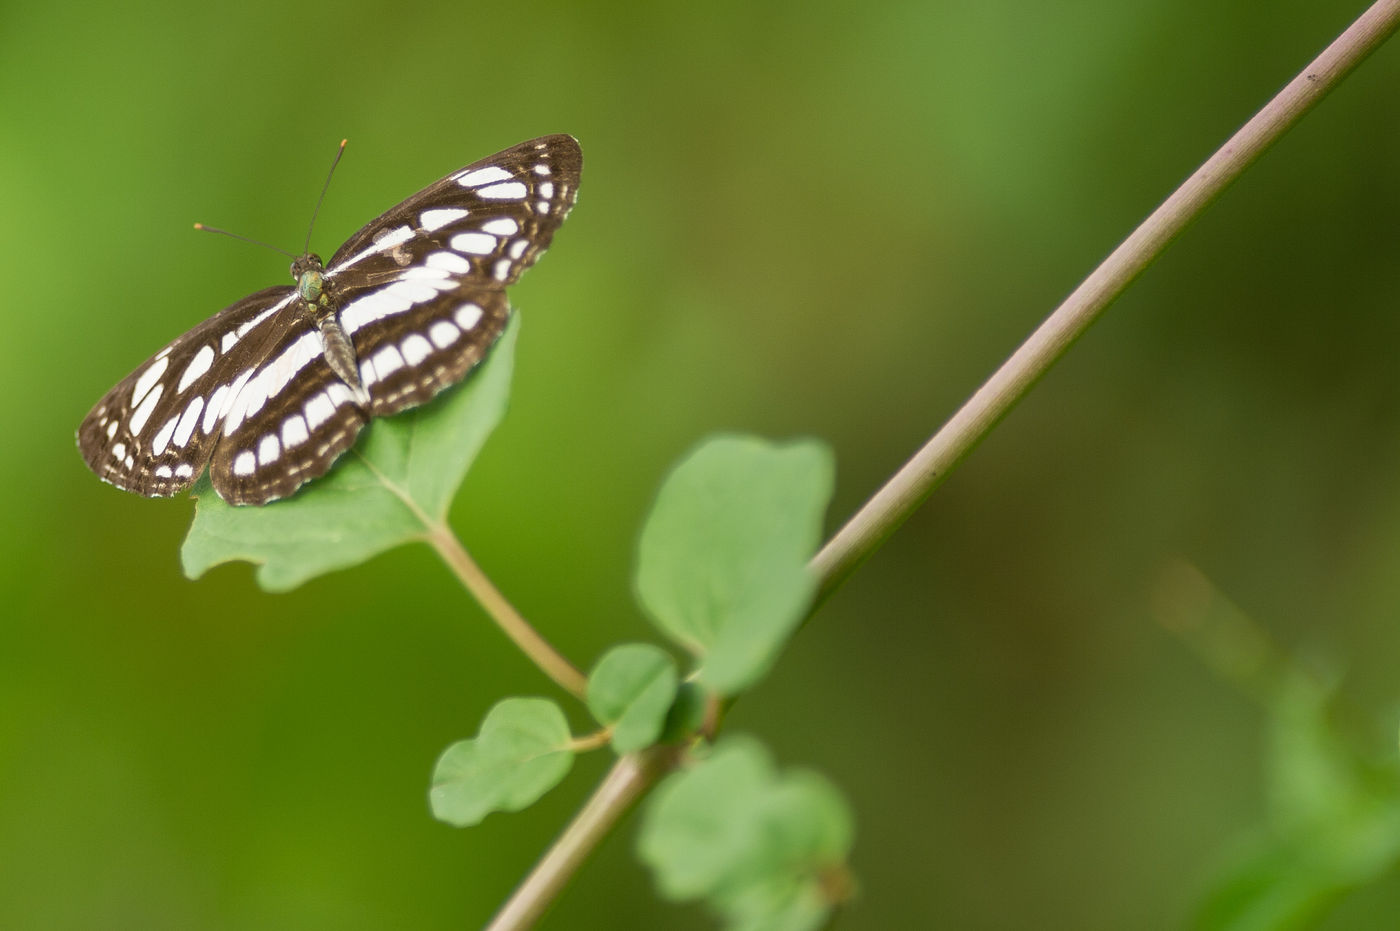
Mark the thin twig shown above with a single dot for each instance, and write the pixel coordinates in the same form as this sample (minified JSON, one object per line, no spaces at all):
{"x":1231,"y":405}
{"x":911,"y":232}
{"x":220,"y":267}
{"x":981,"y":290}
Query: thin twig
{"x":902,"y":494}
{"x":893,"y":503}
{"x":441,"y":538}
{"x":628,"y":780}
{"x":539,"y":650}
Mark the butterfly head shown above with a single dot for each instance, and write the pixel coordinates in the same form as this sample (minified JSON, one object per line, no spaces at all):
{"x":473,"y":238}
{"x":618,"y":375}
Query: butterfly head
{"x":308,"y":273}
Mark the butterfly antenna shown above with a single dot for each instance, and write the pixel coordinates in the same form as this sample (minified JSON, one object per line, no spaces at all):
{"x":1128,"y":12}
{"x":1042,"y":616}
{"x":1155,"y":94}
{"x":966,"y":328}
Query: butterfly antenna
{"x":324,"y":188}
{"x":209,"y":229}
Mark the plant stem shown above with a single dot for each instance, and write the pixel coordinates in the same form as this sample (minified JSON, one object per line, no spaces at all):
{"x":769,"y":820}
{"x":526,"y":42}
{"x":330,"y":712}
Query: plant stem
{"x":633,"y":775}
{"x":540,"y":652}
{"x":628,"y":780}
{"x":902,"y":494}
{"x":442,"y":539}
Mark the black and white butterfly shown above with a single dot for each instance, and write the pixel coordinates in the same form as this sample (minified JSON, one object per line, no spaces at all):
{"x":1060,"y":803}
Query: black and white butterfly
{"x":272,"y":389}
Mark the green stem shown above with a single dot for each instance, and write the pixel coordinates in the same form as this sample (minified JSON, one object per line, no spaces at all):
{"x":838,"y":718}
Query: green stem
{"x":630,"y":778}
{"x":538,"y":649}
{"x":441,"y":538}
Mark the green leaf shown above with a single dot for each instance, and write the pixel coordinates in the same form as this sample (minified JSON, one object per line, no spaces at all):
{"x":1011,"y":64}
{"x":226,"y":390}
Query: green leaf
{"x":630,"y":690}
{"x":722,"y":562}
{"x":521,"y":753}
{"x":1334,"y":821}
{"x":780,"y":904}
{"x":404,"y":472}
{"x":759,"y":847}
{"x":686,"y":714}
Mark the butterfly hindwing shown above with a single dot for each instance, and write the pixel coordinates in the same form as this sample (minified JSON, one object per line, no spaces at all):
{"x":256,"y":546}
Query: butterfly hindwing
{"x":291,"y":419}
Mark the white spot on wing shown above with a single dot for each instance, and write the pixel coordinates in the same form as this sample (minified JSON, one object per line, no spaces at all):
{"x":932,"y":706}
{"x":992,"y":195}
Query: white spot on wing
{"x":143,"y":412}
{"x":394,"y":237}
{"x":474,"y":243}
{"x":293,"y":431}
{"x":339,"y":392}
{"x":546,"y":189}
{"x":163,"y":471}
{"x":184,"y":470}
{"x":387,"y":361}
{"x":449,"y":262}
{"x":242,"y":331}
{"x":501,"y":226}
{"x":443,"y":334}
{"x":269,"y":449}
{"x":468,"y":316}
{"x":430,"y":220}
{"x":216,"y":403}
{"x":517,"y":249}
{"x":244,"y":463}
{"x":148,"y":379}
{"x":111,"y":429}
{"x":509,"y":190}
{"x":392,"y":299}
{"x":415,"y":348}
{"x":118,"y":451}
{"x":187,"y":421}
{"x":227,"y":343}
{"x":197,"y":367}
{"x":501,"y":270}
{"x":318,"y":410}
{"x":383,"y":243}
{"x":483,"y":176}
{"x":162,"y":437}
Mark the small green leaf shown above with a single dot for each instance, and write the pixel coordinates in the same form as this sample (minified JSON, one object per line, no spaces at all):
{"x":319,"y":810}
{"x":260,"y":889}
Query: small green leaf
{"x":686,"y":714}
{"x":722,"y":561}
{"x":521,"y":753}
{"x":783,"y":903}
{"x":1334,"y":821}
{"x":759,"y":847}
{"x":406,"y":469}
{"x":696,"y":827}
{"x":630,"y":690}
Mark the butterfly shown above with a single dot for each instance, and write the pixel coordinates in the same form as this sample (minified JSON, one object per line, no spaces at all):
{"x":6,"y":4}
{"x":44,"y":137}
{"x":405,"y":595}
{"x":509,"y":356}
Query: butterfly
{"x":272,"y":389}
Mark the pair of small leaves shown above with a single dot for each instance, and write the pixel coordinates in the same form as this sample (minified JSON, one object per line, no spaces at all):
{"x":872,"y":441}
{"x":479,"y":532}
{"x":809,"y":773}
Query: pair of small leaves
{"x":524,"y":747}
{"x":722,"y":569}
{"x":762,"y":849}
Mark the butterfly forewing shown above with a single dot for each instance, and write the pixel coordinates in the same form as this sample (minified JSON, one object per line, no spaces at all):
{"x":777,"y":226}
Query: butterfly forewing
{"x":155,"y":431}
{"x":419,"y":292}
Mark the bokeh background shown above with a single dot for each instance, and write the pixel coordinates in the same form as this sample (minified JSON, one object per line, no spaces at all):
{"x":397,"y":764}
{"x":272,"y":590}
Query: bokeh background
{"x":809,"y":218}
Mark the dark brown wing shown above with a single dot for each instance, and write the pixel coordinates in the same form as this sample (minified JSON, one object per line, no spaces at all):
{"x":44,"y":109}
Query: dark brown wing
{"x":155,"y":431}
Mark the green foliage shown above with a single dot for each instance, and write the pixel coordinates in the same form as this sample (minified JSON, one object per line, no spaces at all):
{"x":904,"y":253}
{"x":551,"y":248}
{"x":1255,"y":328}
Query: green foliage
{"x":722,"y":562}
{"x":631,"y":690}
{"x":520,"y":754}
{"x":686,"y":714}
{"x":760,"y":848}
{"x":382,"y":494}
{"x":1334,"y":821}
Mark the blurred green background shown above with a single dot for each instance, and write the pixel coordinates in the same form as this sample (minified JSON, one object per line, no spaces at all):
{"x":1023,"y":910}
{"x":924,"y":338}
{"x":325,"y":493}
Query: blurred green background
{"x":796,"y":219}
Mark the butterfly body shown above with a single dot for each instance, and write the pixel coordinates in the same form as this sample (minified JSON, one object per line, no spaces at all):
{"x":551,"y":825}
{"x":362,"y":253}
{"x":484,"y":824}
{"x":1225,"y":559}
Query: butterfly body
{"x":271,"y":390}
